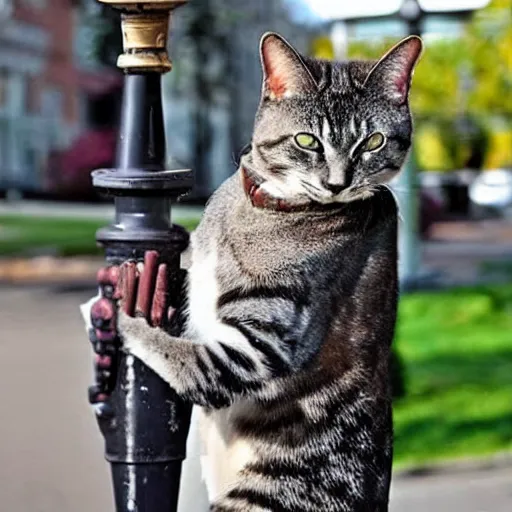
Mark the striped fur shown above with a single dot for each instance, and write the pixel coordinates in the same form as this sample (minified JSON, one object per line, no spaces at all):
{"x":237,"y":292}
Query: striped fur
{"x":289,"y":323}
{"x":294,"y":362}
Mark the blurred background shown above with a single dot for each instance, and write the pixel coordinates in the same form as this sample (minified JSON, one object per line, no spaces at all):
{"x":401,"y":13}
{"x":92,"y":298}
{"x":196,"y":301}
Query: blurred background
{"x":60,"y":94}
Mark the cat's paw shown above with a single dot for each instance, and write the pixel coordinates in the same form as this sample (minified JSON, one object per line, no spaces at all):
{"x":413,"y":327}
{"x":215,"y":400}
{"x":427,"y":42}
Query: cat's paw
{"x":134,"y":333}
{"x":144,"y":290}
{"x":143,"y":307}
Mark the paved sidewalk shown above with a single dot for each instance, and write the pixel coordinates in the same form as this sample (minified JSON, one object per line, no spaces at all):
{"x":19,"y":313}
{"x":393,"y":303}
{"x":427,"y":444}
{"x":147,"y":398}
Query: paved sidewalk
{"x":483,"y":491}
{"x":464,"y":250}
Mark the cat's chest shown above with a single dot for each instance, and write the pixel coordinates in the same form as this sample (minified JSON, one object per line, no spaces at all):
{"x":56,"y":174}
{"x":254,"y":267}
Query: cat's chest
{"x":203,"y":293}
{"x":224,"y":451}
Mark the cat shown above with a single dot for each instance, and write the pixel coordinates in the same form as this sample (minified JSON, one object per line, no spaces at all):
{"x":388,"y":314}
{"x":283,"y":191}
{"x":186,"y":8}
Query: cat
{"x":292,"y":292}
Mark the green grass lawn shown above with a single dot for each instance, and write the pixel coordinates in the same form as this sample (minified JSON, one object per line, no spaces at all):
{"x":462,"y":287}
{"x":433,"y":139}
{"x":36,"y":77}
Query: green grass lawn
{"x":457,"y":350}
{"x":24,"y":235}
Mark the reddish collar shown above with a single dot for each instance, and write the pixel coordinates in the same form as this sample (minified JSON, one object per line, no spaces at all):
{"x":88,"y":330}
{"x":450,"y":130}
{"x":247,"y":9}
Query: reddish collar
{"x":260,"y":198}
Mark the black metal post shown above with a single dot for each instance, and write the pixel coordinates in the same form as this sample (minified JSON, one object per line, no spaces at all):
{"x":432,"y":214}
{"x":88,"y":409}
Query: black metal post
{"x":144,"y":423}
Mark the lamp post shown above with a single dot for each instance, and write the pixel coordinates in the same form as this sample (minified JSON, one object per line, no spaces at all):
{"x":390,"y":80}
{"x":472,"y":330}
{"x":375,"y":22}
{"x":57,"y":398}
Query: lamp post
{"x":406,"y":187}
{"x":144,"y":423}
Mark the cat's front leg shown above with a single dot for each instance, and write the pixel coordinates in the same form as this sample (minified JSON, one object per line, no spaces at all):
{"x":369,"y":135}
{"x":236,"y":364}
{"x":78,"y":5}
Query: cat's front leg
{"x":142,"y":316}
{"x":209,"y":374}
{"x":174,"y":359}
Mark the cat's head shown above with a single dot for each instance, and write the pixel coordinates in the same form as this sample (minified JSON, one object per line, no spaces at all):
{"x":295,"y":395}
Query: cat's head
{"x":331,"y":131}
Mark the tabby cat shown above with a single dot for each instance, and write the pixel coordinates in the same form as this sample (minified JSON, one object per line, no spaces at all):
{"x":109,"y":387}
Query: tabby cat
{"x":292,"y":292}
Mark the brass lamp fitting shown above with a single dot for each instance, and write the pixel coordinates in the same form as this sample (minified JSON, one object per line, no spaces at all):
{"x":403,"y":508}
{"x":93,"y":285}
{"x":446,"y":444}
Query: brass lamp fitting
{"x":145,"y":27}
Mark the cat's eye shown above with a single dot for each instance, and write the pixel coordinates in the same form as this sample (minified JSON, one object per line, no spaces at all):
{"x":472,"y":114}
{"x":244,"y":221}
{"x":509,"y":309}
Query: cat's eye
{"x":374,"y":142}
{"x":308,"y":141}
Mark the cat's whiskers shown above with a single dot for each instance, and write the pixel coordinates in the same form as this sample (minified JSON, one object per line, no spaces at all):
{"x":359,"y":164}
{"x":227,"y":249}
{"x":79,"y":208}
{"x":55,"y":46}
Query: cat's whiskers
{"x":315,"y":193}
{"x":307,"y":184}
{"x":347,"y":195}
{"x":355,"y":193}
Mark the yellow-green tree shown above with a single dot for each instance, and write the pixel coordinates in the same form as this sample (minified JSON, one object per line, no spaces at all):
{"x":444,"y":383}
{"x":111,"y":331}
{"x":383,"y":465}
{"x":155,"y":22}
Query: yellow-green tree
{"x":484,"y":49}
{"x":471,"y":76}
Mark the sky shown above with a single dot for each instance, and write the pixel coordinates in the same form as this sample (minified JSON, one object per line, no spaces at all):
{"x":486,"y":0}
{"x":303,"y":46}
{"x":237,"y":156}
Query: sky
{"x":328,"y":9}
{"x":339,"y":9}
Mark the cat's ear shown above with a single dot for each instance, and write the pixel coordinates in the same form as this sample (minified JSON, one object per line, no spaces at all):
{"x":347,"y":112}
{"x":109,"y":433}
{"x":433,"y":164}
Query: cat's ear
{"x":284,"y":72}
{"x":393,"y":72}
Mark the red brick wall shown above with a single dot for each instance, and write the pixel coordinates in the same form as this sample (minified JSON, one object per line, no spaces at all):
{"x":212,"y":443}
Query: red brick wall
{"x":57,"y":19}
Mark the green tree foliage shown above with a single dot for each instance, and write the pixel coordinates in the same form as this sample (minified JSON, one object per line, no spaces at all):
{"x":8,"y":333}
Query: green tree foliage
{"x":462,"y":92}
{"x":489,"y":38}
{"x":483,"y":50}
{"x":104,"y":23}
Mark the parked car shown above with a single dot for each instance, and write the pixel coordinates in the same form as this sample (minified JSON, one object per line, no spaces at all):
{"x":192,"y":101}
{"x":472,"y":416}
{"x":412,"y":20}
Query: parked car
{"x":492,"y":190}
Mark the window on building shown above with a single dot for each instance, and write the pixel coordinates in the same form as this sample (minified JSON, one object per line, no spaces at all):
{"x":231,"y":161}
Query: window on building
{"x":3,"y":88}
{"x":32,"y":99}
{"x":5,"y":9}
{"x":52,"y":103}
{"x":17,"y":94}
{"x":35,"y":4}
{"x":12,"y":92}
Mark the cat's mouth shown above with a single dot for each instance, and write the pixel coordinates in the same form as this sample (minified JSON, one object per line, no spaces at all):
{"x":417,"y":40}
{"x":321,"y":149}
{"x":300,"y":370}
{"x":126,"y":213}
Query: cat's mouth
{"x":347,"y":195}
{"x":258,"y":192}
{"x":317,"y":194}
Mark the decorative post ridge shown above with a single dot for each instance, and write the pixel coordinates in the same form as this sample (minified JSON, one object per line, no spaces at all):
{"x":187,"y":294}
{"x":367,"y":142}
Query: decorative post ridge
{"x":145,"y":27}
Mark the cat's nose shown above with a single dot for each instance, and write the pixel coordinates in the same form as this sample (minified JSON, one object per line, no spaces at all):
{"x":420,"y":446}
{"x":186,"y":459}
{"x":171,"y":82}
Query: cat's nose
{"x":335,"y":188}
